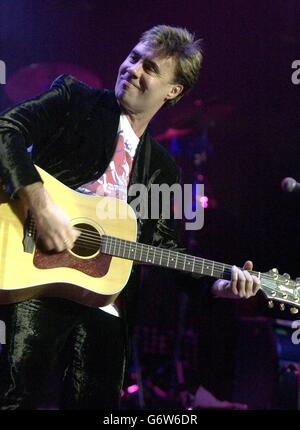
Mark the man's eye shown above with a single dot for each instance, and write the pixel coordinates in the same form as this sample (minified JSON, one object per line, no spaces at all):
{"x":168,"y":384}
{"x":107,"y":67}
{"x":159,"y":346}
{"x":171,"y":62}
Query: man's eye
{"x":149,"y":68}
{"x":133,"y":57}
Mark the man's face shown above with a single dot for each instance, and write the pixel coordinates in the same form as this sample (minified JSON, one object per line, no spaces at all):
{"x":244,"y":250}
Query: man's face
{"x":145,"y":81}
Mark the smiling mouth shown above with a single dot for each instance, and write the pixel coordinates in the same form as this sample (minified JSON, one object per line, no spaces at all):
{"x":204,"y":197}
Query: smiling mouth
{"x":127,"y":83}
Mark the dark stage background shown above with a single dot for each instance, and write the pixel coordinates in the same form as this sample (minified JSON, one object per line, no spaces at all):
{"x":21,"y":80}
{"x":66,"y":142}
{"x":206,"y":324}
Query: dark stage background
{"x":244,"y":116}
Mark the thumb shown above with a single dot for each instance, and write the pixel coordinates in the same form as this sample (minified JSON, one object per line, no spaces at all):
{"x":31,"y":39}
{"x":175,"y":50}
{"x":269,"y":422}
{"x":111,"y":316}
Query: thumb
{"x":76,"y":233}
{"x":248,"y":265}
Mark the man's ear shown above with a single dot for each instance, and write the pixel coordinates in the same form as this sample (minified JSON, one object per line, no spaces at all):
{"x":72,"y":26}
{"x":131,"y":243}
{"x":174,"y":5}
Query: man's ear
{"x":175,"y":91}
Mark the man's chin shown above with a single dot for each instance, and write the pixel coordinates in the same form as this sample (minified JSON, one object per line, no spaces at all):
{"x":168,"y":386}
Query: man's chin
{"x":126,"y":102}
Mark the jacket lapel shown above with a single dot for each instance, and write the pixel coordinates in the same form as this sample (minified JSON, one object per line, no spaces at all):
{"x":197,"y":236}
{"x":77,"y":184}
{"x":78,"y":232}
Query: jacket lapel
{"x":110,"y":120}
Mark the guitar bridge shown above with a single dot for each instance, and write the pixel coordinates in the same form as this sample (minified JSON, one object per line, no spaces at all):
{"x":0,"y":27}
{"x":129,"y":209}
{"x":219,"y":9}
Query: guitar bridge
{"x":29,"y":234}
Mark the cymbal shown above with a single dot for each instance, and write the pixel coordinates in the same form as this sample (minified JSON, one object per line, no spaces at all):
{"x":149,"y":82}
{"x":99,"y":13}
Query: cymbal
{"x":37,"y":78}
{"x":173,"y":132}
{"x":201,"y":116}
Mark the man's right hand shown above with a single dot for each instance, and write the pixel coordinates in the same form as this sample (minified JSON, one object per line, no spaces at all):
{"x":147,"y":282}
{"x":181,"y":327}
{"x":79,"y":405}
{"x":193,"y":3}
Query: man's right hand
{"x":53,"y":225}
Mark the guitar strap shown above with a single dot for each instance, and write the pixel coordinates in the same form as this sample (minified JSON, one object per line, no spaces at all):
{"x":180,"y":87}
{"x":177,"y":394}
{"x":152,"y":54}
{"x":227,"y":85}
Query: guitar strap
{"x":145,"y":177}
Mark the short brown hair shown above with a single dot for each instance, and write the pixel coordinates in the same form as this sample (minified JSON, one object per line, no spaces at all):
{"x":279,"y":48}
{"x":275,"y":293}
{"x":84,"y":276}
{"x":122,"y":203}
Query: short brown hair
{"x":181,"y":44}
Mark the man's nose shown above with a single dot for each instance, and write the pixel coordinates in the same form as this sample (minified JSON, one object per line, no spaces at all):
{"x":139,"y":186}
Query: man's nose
{"x":135,"y":69}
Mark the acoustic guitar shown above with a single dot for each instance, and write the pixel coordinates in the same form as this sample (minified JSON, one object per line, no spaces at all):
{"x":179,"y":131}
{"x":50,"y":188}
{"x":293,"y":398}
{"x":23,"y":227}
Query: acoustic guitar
{"x":97,"y":268}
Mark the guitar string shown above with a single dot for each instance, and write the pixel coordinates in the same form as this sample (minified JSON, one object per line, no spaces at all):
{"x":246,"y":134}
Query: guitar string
{"x":131,"y":243}
{"x":111,"y":241}
{"x":88,"y":234}
{"x":93,"y":239}
{"x":165,"y":259}
{"x":220,"y":266}
{"x":91,"y":236}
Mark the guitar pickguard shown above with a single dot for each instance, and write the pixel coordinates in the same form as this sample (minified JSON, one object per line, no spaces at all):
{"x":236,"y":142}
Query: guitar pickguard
{"x":96,"y":266}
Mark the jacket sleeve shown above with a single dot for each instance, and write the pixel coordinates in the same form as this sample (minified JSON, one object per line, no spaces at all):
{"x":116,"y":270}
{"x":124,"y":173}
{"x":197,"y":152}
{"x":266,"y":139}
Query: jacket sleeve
{"x":33,"y":121}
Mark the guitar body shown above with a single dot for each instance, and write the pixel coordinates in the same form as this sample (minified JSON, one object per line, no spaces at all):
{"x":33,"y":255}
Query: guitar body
{"x":83,"y":274}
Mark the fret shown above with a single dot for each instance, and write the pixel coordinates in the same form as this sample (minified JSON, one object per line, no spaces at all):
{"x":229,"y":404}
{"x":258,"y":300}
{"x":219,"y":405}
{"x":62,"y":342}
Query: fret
{"x":110,"y":244}
{"x":164,"y":256}
{"x":188,"y":262}
{"x":207,"y":268}
{"x":193,"y":268}
{"x":150,"y":260}
{"x":133,"y":250}
{"x":223,"y":270}
{"x":212,"y":269}
{"x":124,"y":249}
{"x":191,"y":263}
{"x":161,"y":254}
{"x":172,"y":260}
{"x":184,"y":262}
{"x":196,"y":267}
{"x":218,"y":270}
{"x":154,"y":256}
{"x":176,"y":260}
{"x":168,"y":259}
{"x":114,"y":250}
{"x":147,"y":254}
{"x":138,"y":249}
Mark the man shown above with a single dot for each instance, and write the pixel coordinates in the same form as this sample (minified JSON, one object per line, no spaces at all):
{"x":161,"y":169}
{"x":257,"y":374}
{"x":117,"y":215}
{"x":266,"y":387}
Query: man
{"x":94,"y":141}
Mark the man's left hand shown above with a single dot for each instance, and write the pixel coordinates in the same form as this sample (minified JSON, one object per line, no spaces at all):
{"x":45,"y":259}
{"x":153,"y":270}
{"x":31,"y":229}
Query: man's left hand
{"x":241,"y":285}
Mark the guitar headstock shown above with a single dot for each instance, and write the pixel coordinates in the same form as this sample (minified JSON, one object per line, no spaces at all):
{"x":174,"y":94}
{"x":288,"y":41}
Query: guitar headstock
{"x":281,"y":288}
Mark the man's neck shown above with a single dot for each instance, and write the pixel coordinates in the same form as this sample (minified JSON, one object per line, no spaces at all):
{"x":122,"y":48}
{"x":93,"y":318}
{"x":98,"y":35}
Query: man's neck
{"x":138,"y":123}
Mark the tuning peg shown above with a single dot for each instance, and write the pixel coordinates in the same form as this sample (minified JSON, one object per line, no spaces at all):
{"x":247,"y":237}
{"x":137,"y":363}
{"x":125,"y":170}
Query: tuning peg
{"x":270,"y":304}
{"x":294,"y":310}
{"x":282,"y":306}
{"x":274,"y":273}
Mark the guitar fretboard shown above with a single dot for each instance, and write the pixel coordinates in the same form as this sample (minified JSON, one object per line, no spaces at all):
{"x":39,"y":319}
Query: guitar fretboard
{"x":165,"y":257}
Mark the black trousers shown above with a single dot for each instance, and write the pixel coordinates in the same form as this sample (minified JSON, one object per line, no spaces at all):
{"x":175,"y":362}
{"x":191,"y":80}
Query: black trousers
{"x":89,"y":343}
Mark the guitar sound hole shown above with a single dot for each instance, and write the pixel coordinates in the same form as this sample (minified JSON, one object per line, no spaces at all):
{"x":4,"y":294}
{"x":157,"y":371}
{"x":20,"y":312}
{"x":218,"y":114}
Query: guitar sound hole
{"x":88,"y":243}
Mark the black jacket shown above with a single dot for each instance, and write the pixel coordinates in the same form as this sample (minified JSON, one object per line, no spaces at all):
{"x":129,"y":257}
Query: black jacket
{"x":72,"y":129}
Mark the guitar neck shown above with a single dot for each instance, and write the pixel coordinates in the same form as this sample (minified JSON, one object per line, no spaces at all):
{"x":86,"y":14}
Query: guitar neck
{"x":148,"y":254}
